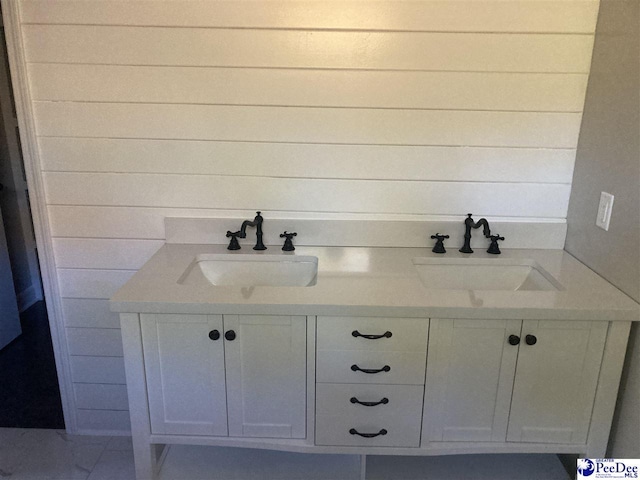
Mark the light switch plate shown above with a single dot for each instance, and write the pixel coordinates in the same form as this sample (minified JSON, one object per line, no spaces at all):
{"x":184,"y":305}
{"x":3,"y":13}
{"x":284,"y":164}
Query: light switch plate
{"x":604,"y":210}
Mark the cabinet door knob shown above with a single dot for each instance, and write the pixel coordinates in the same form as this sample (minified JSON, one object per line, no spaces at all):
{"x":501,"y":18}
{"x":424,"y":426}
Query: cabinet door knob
{"x":230,"y":335}
{"x":356,"y":334}
{"x":214,"y":334}
{"x":356,"y":368}
{"x":384,"y":401}
{"x":353,"y":431}
{"x":531,"y":339}
{"x":514,"y":340}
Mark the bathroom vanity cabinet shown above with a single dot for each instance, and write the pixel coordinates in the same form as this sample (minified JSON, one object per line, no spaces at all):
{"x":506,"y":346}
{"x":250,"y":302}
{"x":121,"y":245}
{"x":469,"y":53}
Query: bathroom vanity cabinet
{"x":369,"y":385}
{"x":371,"y":359}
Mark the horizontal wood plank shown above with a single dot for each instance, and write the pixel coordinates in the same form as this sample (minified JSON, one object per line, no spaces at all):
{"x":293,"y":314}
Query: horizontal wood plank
{"x":486,"y":52}
{"x":94,"y":341}
{"x":434,"y":15}
{"x":308,"y":125}
{"x":89,"y":313}
{"x":94,"y":369}
{"x":111,"y":222}
{"x":99,"y":253}
{"x":96,"y":396}
{"x":308,"y":160}
{"x":86,"y":283}
{"x":251,"y":193}
{"x":321,"y":88}
{"x":103,"y":421}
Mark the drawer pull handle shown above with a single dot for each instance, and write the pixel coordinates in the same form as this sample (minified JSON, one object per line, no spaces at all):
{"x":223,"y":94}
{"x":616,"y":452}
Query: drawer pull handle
{"x":384,"y":401}
{"x":353,"y":431}
{"x":356,"y":368}
{"x":386,"y":334}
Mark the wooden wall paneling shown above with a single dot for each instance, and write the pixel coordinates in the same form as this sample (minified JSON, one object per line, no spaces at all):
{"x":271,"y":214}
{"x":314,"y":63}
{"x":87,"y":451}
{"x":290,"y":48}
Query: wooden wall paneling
{"x":87,"y":283}
{"x":383,"y":162}
{"x":106,"y":422}
{"x":488,"y":15}
{"x":94,"y":369}
{"x":103,"y":253}
{"x":95,"y":341}
{"x":486,"y":52}
{"x":538,"y":92}
{"x":444,"y":198}
{"x":308,"y":125}
{"x":110,"y":222}
{"x":101,"y":396}
{"x":89,"y":313}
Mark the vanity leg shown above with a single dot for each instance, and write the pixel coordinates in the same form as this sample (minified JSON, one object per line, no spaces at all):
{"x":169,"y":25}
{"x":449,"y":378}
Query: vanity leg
{"x":145,"y":458}
{"x":363,"y":467}
{"x":607,"y":392}
{"x":146,"y":455}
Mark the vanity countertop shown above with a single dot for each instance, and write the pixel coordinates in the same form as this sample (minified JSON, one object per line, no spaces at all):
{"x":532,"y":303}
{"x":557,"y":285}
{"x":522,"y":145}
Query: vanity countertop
{"x":373,"y":282}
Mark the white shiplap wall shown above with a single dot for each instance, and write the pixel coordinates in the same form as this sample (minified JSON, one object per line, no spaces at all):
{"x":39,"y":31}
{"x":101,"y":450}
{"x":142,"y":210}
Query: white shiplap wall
{"x":147,"y":109}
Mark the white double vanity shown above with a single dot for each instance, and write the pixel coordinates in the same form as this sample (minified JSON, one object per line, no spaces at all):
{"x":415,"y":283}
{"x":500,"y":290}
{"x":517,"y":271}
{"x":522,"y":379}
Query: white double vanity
{"x":371,"y":351}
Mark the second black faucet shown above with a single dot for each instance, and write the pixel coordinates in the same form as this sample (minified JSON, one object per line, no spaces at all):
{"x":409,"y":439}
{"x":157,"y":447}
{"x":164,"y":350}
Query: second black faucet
{"x":469,"y":223}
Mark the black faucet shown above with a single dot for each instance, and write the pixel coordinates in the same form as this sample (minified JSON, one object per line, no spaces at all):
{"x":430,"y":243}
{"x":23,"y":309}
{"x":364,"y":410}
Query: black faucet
{"x":257,"y":222}
{"x":468,"y":225}
{"x":242,"y":233}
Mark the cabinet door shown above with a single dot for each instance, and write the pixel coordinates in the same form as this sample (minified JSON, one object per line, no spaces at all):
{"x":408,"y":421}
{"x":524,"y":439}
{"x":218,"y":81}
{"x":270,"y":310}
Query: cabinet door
{"x":556,"y":381}
{"x":185,"y":374}
{"x":470,"y":370}
{"x":266,"y":375}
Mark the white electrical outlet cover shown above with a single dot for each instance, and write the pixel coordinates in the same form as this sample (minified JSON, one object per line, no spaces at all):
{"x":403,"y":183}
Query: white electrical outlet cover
{"x":604,"y":210}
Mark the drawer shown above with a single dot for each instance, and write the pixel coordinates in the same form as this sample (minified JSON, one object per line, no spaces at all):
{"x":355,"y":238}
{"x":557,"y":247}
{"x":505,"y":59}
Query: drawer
{"x":401,"y":431}
{"x":392,"y":400}
{"x":406,"y":334}
{"x":337,"y":366}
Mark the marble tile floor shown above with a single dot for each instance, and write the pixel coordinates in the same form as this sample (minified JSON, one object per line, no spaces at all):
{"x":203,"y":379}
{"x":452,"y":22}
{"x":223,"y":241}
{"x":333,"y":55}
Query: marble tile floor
{"x":35,"y":454}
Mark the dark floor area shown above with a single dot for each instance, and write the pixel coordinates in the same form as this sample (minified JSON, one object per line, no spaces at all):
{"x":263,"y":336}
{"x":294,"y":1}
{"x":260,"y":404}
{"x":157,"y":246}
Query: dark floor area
{"x":29,"y":392}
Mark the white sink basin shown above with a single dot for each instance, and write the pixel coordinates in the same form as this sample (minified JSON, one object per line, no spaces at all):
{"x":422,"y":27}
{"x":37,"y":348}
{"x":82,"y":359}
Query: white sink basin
{"x":484,"y":274}
{"x":252,"y":270}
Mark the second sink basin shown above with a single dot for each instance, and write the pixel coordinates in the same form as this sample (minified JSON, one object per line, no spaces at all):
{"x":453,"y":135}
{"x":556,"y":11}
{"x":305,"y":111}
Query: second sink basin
{"x":484,"y":274}
{"x":252,"y":270}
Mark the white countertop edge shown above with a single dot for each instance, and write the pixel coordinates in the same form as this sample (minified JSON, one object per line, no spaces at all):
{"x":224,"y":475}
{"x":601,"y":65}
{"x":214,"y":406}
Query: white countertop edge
{"x":373,"y":311}
{"x":587,"y":296}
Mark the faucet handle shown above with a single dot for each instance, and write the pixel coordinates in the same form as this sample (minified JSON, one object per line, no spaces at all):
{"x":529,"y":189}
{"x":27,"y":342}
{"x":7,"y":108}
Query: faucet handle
{"x":493,"y":248}
{"x":288,"y":243}
{"x":233,"y":244}
{"x":438,"y":237}
{"x":439,"y":246}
